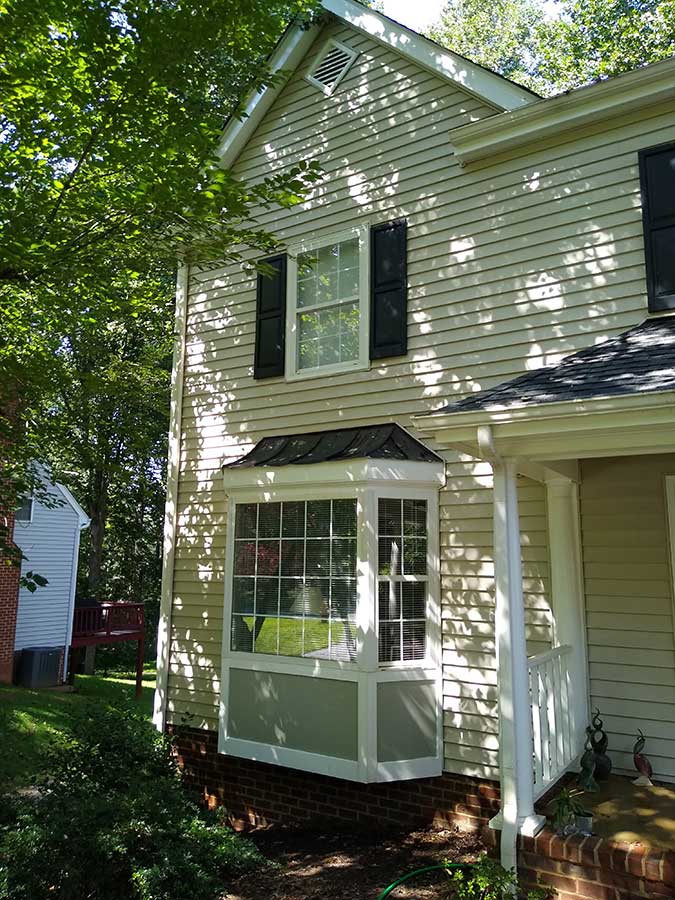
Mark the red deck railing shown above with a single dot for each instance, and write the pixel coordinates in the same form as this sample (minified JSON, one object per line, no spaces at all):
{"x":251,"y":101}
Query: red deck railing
{"x":109,"y":623}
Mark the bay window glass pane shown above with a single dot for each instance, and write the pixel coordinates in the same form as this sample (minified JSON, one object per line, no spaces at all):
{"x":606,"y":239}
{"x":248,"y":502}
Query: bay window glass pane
{"x":402,"y":577}
{"x":245,"y":520}
{"x":294,"y":584}
{"x":243,"y":592}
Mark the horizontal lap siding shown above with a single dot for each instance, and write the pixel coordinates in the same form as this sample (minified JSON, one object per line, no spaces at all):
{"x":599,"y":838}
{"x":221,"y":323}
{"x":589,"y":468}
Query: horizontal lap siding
{"x":48,"y":542}
{"x":510,"y":266}
{"x":629,"y":605}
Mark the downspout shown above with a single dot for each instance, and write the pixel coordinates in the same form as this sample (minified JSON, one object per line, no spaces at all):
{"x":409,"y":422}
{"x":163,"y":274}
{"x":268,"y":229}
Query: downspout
{"x":170,"y":510}
{"x":515,"y":722}
{"x":71,"y":604}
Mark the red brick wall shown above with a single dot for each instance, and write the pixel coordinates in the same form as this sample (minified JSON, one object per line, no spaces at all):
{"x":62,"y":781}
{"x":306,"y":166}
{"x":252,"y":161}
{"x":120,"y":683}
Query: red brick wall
{"x":256,"y":793}
{"x":593,"y":868}
{"x":9,"y":603}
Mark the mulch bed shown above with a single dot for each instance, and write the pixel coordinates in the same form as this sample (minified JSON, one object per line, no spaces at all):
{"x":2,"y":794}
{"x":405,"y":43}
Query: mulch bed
{"x":355,"y":865}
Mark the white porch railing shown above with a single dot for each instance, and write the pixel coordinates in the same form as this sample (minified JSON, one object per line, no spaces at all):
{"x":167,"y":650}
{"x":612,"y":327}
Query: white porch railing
{"x":553,"y":729}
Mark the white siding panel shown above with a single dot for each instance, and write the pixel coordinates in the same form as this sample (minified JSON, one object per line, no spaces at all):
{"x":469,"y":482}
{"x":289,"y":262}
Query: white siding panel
{"x":48,"y":542}
{"x":629,"y":604}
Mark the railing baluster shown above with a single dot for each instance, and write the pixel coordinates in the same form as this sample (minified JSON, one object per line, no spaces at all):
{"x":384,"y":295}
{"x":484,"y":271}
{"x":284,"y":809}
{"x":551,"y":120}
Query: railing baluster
{"x":536,"y":728}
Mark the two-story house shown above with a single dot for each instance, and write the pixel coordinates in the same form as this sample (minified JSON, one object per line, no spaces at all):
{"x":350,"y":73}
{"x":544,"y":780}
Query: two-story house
{"x":421,"y":502}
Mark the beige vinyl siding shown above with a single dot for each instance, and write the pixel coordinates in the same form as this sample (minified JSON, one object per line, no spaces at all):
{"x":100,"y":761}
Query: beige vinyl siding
{"x":629,"y":604}
{"x":511,"y":266}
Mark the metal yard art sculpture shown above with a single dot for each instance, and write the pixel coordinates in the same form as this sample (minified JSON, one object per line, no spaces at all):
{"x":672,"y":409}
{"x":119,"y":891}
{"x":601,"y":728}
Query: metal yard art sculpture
{"x":599,"y":742}
{"x":642,"y":763}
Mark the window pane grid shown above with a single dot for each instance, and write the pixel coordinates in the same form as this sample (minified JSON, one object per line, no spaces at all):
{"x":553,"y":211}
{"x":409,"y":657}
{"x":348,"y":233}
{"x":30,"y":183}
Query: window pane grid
{"x":328,"y":296}
{"x":402,"y":579}
{"x":285,"y":598}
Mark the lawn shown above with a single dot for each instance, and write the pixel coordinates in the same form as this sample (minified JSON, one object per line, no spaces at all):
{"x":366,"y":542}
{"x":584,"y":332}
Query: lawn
{"x":33,"y":722}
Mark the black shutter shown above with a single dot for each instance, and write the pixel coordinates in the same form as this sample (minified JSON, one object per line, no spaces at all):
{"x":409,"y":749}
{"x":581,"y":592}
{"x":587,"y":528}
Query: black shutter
{"x":270,"y":320}
{"x":388,"y":290}
{"x":657,"y":178}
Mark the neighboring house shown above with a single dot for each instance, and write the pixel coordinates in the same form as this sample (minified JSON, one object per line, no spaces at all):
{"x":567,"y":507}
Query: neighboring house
{"x":49,"y":538}
{"x":404,"y":577}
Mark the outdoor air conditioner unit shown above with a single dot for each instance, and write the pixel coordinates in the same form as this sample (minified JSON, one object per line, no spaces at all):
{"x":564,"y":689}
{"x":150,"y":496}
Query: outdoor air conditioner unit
{"x":39,"y":667}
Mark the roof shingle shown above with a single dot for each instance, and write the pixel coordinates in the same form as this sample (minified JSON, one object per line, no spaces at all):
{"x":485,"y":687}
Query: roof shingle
{"x":640,"y":360}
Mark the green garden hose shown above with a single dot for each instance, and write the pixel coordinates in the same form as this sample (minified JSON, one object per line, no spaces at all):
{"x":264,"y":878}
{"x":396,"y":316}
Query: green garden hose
{"x":392,"y":887}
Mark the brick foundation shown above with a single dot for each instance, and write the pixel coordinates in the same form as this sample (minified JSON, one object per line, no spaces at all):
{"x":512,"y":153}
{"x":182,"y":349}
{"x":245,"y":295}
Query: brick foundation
{"x":592,"y":868}
{"x":256,"y":793}
{"x":9,"y":605}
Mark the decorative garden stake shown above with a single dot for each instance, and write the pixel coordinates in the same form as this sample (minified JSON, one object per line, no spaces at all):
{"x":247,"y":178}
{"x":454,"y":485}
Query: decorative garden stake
{"x":599,"y":741}
{"x":642,"y":764}
{"x":586,"y":780}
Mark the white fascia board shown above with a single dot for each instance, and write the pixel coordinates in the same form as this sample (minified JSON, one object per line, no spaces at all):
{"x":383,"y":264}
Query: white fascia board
{"x":85,"y":521}
{"x":286,"y":57}
{"x":482,"y":83}
{"x":575,"y":109}
{"x":610,"y":426}
{"x":357,"y":473}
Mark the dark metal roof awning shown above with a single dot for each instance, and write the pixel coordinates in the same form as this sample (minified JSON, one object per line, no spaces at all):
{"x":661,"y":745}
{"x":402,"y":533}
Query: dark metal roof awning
{"x":370,"y":442}
{"x":638,"y":361}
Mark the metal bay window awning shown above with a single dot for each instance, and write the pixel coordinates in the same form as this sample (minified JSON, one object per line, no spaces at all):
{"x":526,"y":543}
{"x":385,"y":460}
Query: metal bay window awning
{"x":388,"y":441}
{"x":614,"y":398}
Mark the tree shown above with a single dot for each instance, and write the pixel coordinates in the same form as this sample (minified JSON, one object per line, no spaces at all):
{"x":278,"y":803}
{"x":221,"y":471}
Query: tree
{"x":109,"y":126}
{"x":584,"y":40}
{"x":594,"y":39}
{"x":501,"y":35}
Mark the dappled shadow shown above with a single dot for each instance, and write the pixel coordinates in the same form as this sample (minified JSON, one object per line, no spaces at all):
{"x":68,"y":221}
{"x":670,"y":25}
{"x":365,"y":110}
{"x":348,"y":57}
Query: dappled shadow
{"x":510,"y":268}
{"x":336,"y":864}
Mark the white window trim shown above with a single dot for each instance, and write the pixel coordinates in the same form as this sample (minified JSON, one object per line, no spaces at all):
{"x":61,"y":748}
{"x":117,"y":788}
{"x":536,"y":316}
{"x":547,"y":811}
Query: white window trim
{"x":319,"y":58}
{"x":292,"y":373}
{"x":24,"y":523}
{"x":367,"y":480}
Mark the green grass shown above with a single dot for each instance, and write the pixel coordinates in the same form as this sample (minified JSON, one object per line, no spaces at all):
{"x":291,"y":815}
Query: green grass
{"x":34,"y":722}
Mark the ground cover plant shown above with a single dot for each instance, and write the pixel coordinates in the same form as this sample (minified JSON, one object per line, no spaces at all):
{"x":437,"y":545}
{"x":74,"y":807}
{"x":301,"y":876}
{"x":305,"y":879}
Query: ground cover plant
{"x":34,"y":723}
{"x":112,"y":820}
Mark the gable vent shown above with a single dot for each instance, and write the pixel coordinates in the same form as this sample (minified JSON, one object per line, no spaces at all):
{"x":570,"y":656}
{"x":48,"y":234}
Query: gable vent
{"x":331,"y":66}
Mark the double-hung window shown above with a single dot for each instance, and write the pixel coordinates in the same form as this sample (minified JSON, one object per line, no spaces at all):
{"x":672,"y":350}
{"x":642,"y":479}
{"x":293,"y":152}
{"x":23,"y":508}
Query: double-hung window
{"x":327,"y":323}
{"x":331,"y":645}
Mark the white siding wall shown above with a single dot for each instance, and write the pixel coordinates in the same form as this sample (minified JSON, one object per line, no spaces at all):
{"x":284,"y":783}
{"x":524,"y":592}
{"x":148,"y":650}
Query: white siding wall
{"x":510,"y":267}
{"x":48,"y":542}
{"x":629,"y":605}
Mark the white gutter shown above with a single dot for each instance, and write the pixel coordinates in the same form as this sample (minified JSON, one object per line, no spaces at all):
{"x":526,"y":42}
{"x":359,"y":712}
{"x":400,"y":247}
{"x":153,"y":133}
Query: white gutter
{"x":170,"y":512}
{"x":566,"y":112}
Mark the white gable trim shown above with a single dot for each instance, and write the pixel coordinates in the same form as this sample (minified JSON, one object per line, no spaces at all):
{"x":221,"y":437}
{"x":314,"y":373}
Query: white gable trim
{"x":71,"y":501}
{"x":287,"y":56}
{"x":294,"y":45}
{"x":487,"y":85}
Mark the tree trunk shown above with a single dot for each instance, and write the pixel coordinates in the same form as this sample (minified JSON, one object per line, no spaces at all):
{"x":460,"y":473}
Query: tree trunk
{"x":98,"y":512}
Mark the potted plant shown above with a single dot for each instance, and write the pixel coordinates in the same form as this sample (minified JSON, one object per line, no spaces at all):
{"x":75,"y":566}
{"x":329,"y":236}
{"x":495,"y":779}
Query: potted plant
{"x":570,"y":815}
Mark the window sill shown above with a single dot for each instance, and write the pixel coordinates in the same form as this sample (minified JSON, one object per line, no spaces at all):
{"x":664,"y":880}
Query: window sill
{"x":327,"y":371}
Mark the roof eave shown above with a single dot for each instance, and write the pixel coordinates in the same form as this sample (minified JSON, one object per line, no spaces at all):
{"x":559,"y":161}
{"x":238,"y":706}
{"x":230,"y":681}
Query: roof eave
{"x":546,"y":118}
{"x":573,"y":429}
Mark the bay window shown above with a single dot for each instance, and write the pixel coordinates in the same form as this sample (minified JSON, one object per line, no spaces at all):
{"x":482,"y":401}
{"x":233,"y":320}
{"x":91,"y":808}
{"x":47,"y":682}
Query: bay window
{"x":331,"y":645}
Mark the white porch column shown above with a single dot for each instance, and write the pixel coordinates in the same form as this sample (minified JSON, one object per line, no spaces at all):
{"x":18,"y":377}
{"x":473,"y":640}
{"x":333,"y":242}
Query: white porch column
{"x":562,"y":504}
{"x":515,"y":739}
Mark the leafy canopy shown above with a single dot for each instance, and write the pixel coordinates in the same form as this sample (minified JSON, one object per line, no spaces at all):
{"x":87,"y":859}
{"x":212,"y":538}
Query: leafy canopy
{"x":550,"y":51}
{"x":109,"y":124}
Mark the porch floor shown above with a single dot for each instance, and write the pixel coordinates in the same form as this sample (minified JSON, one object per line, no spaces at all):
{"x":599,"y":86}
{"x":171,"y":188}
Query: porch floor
{"x":625,"y":812}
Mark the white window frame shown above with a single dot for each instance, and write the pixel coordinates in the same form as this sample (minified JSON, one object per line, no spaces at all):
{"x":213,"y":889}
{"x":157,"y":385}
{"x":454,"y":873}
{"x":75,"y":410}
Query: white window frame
{"x":368,"y":481}
{"x":319,"y":58}
{"x":23,"y":523}
{"x":293,"y":373}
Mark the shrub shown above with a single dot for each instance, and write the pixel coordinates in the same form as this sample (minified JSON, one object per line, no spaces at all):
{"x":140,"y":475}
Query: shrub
{"x":112,"y":821}
{"x":487,"y":880}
